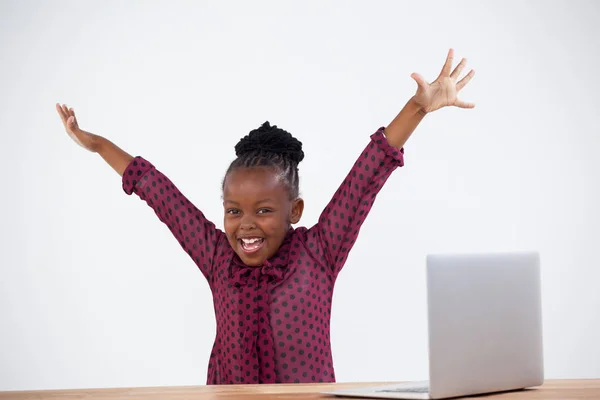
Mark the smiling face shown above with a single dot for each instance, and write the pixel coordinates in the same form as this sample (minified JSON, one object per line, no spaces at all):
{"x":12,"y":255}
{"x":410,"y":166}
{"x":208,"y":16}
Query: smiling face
{"x":258,"y":213}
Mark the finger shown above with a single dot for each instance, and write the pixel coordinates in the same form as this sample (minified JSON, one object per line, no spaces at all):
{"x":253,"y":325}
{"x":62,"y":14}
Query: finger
{"x":463,"y":104}
{"x":61,"y":113}
{"x":68,"y":112}
{"x":456,"y":73}
{"x":461,"y":84}
{"x":419,"y":79}
{"x":65,"y":110}
{"x":75,"y":124}
{"x":448,"y":65}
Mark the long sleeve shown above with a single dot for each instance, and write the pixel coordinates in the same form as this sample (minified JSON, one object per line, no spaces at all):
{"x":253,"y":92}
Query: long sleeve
{"x":339,"y":224}
{"x":197,"y":235}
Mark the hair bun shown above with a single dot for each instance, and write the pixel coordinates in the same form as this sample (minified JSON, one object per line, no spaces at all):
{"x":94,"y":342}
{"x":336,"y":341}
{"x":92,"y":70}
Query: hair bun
{"x":271,"y":139}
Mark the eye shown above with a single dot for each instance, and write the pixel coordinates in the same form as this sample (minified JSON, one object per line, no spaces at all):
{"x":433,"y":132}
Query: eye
{"x":232,"y":211}
{"x":264,"y":211}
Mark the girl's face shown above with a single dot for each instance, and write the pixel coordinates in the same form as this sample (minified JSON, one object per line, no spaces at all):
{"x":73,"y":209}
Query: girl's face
{"x":258,"y":213}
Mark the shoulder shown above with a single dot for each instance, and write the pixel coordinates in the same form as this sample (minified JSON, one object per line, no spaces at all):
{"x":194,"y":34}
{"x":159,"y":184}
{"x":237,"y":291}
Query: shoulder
{"x":300,"y":234}
{"x":302,"y":237}
{"x":307,"y":239}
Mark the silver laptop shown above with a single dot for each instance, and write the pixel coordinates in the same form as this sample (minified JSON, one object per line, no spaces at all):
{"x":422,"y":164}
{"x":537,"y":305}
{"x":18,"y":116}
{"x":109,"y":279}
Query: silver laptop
{"x":484,"y":325}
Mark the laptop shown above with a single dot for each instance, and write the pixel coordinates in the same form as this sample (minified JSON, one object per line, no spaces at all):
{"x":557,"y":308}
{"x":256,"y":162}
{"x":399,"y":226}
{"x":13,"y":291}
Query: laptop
{"x":484,"y":327}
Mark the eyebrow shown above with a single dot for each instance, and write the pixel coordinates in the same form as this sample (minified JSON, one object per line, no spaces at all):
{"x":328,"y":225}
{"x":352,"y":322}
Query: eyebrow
{"x":258,"y":202}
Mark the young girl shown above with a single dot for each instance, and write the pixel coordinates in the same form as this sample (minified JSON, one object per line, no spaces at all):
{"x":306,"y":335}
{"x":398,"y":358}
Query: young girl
{"x":272,"y":284}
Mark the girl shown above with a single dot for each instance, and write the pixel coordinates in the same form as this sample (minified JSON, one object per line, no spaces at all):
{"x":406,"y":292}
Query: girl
{"x":272,"y":284}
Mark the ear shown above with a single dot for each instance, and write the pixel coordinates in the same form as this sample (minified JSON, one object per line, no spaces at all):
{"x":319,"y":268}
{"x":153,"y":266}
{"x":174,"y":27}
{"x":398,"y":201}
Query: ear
{"x":297,"y":209}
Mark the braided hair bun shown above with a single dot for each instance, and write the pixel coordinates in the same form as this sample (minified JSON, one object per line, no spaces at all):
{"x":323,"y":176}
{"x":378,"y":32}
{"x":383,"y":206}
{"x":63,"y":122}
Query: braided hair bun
{"x":273,"y":140}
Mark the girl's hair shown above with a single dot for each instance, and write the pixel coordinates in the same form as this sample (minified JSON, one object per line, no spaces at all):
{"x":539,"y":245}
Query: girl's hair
{"x":270,"y":146}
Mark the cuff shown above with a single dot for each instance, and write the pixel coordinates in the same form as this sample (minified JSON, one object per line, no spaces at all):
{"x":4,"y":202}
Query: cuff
{"x":382,"y":143}
{"x":134,"y":172}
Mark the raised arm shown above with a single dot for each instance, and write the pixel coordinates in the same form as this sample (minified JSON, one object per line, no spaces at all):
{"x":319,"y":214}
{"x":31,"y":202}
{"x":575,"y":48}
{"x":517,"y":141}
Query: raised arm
{"x":197,"y":235}
{"x":339,"y":224}
{"x":335,"y":233}
{"x":117,"y":158}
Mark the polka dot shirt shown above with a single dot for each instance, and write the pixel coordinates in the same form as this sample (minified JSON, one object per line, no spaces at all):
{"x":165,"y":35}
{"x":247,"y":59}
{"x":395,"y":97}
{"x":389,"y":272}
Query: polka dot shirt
{"x":272,"y":321}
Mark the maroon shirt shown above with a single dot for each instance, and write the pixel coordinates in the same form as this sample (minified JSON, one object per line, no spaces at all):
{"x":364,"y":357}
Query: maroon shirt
{"x":272,"y":321}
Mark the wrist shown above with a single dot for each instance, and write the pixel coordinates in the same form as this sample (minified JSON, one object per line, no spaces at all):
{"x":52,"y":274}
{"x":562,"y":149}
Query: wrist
{"x":415,"y":107}
{"x":97,"y":143}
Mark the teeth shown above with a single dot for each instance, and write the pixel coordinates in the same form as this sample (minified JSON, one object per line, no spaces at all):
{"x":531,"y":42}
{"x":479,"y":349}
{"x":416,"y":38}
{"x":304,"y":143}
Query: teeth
{"x":250,"y":241}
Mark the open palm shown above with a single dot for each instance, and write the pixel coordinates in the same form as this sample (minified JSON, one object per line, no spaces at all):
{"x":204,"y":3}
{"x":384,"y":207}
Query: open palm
{"x":443,"y":92}
{"x":81,"y":137}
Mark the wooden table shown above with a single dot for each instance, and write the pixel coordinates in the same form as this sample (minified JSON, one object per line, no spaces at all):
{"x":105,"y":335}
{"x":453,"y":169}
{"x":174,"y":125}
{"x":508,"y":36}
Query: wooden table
{"x":551,"y":390}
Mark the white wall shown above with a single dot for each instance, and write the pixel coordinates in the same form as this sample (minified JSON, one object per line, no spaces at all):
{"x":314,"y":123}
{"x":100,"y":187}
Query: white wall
{"x":94,"y":291}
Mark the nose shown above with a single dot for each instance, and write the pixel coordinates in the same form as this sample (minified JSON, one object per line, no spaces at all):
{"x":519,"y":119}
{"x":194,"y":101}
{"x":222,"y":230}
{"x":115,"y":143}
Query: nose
{"x":247,"y":223}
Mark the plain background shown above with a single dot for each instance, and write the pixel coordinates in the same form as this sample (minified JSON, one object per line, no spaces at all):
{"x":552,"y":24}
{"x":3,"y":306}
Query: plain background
{"x":94,"y":291}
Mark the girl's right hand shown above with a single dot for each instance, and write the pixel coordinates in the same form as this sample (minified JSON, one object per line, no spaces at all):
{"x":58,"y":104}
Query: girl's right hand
{"x":85,"y":139}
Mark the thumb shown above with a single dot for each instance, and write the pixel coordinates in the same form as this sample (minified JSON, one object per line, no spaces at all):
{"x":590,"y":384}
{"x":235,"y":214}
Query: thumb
{"x":419,"y":79}
{"x":464,"y":104}
{"x":71,"y":123}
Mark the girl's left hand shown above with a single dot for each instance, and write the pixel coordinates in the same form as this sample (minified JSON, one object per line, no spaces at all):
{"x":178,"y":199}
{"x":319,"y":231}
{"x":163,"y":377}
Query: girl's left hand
{"x":443,"y":91}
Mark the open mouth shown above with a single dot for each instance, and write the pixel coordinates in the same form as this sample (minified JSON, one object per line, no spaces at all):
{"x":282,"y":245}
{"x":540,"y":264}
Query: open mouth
{"x":251,"y":245}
